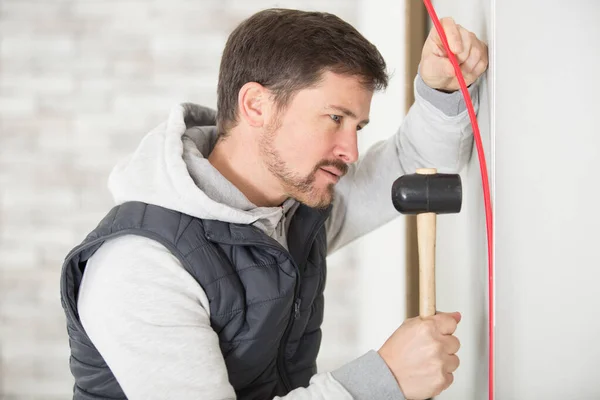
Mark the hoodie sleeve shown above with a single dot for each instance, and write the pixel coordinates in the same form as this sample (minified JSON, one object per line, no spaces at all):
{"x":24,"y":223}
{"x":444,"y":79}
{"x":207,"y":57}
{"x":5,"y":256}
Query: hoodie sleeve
{"x":436,"y":133}
{"x":150,"y":321}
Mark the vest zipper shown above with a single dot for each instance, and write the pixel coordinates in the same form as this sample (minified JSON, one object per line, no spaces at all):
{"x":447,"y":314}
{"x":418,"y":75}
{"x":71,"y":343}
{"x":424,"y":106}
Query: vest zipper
{"x":295,"y":312}
{"x":294,"y":315}
{"x":297,"y":304}
{"x":283,"y":343}
{"x":281,"y":222}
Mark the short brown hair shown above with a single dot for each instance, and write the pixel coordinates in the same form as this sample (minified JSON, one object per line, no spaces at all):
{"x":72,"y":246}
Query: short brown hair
{"x":288,"y":50}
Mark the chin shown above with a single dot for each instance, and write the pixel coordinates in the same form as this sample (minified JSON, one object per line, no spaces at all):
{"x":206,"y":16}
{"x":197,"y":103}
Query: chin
{"x":319,"y":199}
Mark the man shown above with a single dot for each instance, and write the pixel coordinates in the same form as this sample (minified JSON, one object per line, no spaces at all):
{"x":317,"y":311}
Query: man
{"x":206,"y":280}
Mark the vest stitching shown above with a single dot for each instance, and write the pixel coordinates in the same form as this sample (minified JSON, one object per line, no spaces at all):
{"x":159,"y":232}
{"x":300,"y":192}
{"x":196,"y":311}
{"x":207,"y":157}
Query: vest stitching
{"x":178,"y":226}
{"x":177,"y":238}
{"x":237,"y":341}
{"x":102,"y":365}
{"x":237,"y":271}
{"x":194,"y":249}
{"x":251,"y":304}
{"x":143,"y":216}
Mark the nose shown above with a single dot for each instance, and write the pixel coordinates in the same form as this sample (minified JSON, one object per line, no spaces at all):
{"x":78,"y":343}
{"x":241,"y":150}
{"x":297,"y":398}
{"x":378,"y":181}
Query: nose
{"x":346,"y":148}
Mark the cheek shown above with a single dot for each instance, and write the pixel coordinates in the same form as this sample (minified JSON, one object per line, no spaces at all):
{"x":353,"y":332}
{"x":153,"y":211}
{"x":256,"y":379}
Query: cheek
{"x":301,"y":150}
{"x":299,"y":156}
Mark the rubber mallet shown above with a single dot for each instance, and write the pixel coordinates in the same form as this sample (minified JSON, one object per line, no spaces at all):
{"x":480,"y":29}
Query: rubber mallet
{"x":427,"y":193}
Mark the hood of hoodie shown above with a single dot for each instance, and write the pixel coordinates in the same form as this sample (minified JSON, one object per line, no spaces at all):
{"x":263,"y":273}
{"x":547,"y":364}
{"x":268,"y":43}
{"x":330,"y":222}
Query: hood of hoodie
{"x":170,"y":168}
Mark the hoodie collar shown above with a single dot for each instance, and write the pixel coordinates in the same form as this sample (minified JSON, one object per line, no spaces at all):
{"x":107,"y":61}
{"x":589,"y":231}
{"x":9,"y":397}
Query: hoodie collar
{"x":170,"y":169}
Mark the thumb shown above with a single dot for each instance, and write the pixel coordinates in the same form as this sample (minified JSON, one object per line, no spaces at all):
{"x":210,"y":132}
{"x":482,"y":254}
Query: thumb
{"x":456,"y":315}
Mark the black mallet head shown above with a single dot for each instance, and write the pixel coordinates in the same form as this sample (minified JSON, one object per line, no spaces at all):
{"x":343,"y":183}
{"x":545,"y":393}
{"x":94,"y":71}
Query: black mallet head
{"x":427,"y":193}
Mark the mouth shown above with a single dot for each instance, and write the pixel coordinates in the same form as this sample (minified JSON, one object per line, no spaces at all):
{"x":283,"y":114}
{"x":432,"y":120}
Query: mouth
{"x":333,"y":171}
{"x":332,"y":175}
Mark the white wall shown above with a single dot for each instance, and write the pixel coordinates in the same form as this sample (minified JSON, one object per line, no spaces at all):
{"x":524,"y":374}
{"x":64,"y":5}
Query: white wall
{"x":547,"y":157}
{"x":540,"y":113}
{"x":461,"y":268}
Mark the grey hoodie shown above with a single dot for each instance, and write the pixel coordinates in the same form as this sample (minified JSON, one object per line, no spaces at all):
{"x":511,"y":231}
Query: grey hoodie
{"x":150,"y":319}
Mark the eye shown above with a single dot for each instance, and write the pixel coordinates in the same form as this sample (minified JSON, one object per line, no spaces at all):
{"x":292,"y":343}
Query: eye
{"x":336,"y":118}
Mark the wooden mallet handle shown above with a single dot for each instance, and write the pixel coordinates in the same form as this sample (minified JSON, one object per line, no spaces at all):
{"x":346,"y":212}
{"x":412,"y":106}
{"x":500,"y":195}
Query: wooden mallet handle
{"x":426,"y":194}
{"x":426,"y":235}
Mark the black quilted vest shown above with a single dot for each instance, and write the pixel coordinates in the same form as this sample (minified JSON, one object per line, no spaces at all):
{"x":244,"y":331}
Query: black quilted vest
{"x":266,"y":303}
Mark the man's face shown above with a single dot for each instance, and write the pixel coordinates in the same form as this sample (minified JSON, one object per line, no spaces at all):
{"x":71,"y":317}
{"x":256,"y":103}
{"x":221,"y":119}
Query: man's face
{"x":309,"y":145}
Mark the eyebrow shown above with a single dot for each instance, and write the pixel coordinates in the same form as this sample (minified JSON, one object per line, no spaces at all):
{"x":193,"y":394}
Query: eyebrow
{"x":348,"y":113}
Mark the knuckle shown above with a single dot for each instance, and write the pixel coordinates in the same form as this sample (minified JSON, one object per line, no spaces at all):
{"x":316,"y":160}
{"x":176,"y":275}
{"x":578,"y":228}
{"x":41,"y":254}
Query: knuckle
{"x":481,"y":67}
{"x":485,"y":58}
{"x":467,"y":40}
{"x":457,"y":343}
{"x":449,"y":379}
{"x":472,"y":66}
{"x":452,"y":364}
{"x":473,"y":38}
{"x":485,"y":49}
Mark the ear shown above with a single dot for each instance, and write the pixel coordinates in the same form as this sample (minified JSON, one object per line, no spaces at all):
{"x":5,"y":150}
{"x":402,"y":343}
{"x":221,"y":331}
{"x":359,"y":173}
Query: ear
{"x":253,"y":104}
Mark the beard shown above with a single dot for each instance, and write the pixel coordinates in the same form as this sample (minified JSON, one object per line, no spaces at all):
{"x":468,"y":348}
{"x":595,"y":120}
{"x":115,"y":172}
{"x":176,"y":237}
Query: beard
{"x":299,"y":187}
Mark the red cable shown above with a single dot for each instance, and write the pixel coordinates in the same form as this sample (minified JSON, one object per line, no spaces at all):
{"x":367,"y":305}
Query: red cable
{"x":486,"y":192}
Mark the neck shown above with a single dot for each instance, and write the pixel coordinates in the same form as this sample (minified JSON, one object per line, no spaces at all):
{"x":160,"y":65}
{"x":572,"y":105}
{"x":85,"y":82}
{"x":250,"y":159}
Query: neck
{"x":238,"y":161}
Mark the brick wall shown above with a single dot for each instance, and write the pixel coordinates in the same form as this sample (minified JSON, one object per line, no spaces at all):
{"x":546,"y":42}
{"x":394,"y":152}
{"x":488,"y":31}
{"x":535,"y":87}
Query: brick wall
{"x":81,"y":81}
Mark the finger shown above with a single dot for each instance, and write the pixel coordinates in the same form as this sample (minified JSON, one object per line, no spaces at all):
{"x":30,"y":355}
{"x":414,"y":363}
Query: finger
{"x":449,"y":381}
{"x":451,"y":363}
{"x":472,"y":73}
{"x":475,"y":55}
{"x":451,"y":344}
{"x":446,"y":322}
{"x":480,"y":68}
{"x":483,"y":62}
{"x":467,"y":43}
{"x":452,"y":35}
